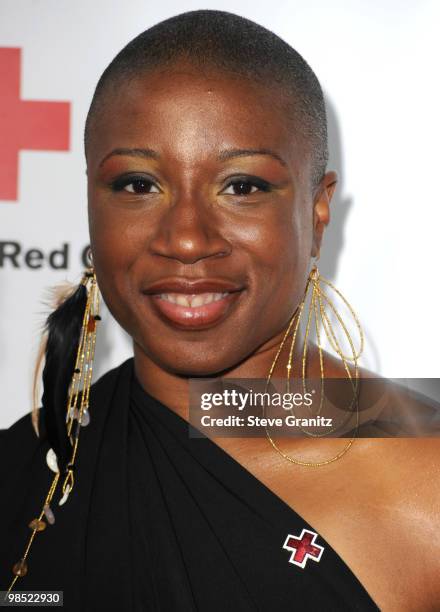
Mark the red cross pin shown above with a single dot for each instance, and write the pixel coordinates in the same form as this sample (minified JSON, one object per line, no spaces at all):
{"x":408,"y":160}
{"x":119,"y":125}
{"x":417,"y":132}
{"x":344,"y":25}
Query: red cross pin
{"x":303,"y":548}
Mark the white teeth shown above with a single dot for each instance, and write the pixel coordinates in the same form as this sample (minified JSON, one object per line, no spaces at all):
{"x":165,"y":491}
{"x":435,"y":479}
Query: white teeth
{"x":192,"y":301}
{"x":200,"y":300}
{"x":182,"y":300}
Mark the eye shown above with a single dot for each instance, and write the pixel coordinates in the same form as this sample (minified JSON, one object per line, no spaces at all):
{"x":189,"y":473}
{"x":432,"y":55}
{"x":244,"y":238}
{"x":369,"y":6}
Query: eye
{"x":246,"y":186}
{"x":135,"y":184}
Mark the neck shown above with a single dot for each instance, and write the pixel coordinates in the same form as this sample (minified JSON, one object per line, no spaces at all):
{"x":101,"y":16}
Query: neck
{"x":172,"y":389}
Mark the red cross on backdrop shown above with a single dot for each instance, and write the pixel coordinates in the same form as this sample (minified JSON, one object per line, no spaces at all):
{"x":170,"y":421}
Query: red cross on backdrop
{"x":25,"y":124}
{"x":303,"y":548}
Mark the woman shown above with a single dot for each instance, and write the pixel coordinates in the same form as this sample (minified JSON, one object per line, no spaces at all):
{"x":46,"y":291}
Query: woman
{"x":206,"y":161}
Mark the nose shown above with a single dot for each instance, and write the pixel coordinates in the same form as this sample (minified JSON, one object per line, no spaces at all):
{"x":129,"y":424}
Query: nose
{"x":189,"y":231}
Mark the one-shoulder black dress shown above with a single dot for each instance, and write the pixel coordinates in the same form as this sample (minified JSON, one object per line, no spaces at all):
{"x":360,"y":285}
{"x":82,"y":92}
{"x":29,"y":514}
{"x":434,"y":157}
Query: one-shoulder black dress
{"x":159,"y":520}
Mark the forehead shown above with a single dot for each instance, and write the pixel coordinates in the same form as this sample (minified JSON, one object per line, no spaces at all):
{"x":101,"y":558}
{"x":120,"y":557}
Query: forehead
{"x":188,"y":115}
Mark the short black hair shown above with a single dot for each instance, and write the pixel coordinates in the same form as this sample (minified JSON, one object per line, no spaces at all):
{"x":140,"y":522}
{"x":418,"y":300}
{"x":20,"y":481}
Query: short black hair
{"x":233,"y":44}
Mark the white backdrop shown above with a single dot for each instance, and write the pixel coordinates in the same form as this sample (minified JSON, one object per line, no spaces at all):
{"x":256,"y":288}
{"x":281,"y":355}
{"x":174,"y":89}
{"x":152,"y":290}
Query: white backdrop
{"x":378,"y":64}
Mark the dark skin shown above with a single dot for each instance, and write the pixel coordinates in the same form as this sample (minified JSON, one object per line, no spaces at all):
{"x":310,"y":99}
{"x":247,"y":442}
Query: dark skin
{"x":186,"y":219}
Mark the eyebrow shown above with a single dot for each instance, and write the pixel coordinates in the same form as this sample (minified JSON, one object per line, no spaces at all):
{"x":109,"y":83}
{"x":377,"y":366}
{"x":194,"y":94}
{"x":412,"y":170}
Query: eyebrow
{"x":223,"y":156}
{"x":230,"y":153}
{"x":145,"y":153}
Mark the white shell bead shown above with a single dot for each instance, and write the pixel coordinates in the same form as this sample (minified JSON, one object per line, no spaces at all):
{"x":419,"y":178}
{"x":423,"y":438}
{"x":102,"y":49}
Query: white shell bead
{"x":49,"y":514}
{"x":85,"y":418}
{"x":65,"y":496}
{"x":51,"y":460}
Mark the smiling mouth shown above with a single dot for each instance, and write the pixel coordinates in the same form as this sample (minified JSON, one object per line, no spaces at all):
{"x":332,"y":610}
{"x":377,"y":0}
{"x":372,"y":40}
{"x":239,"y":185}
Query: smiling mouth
{"x":193,"y":311}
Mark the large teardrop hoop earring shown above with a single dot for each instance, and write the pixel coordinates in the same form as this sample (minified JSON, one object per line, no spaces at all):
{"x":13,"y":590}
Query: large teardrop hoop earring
{"x":320,"y":305}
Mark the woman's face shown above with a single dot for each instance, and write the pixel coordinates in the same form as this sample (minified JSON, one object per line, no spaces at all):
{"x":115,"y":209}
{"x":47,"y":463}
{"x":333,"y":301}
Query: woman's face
{"x":197,"y":176}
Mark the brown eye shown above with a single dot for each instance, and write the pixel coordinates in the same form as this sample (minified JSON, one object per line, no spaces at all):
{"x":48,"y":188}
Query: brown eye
{"x":242,"y":188}
{"x":246,"y":186}
{"x":141,"y":186}
{"x":138,"y":185}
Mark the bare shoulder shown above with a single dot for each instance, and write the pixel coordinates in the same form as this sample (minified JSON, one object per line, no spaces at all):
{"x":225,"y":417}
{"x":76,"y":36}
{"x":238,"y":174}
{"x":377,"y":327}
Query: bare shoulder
{"x":405,"y":455}
{"x":414,"y":473}
{"x":409,"y":511}
{"x":377,"y":505}
{"x":388,"y":490}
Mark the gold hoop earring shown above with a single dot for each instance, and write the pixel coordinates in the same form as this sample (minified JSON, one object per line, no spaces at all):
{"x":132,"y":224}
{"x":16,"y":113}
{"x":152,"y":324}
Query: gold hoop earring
{"x":319,"y":299}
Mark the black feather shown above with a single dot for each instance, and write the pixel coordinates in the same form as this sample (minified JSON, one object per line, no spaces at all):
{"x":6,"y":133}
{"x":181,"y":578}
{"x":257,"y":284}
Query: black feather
{"x":63,"y":327}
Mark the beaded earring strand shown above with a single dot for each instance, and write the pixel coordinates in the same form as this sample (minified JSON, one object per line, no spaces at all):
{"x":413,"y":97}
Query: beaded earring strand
{"x":64,"y":323}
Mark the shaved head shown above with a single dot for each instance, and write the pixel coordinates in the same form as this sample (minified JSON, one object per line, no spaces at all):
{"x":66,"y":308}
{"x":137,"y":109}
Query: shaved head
{"x":220,"y":41}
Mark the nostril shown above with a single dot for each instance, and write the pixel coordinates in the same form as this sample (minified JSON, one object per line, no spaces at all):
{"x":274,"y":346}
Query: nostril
{"x":187,"y":251}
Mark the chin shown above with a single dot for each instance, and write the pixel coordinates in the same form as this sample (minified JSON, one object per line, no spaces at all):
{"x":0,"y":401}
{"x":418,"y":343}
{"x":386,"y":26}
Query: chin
{"x":193,"y":363}
{"x":199,"y":367}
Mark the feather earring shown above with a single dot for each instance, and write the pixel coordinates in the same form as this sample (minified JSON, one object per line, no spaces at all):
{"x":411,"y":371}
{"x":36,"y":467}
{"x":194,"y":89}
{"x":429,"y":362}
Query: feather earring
{"x":67,"y":352}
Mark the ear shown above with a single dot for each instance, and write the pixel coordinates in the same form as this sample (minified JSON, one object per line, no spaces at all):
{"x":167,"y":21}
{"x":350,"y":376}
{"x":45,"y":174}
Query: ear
{"x":321,"y":209}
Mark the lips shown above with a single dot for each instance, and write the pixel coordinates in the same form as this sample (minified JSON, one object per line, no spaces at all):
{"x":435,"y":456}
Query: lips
{"x":193,"y":303}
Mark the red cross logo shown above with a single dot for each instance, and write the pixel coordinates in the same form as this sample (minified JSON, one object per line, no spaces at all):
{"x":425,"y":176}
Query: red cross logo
{"x":303,"y":548}
{"x":25,"y":124}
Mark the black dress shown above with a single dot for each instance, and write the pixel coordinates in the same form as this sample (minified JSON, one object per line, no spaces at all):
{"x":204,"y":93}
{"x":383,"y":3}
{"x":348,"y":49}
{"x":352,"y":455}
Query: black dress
{"x":160,"y":521}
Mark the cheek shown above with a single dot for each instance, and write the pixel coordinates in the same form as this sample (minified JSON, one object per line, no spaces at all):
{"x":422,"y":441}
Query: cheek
{"x":280,"y":247}
{"x":114,"y":245}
